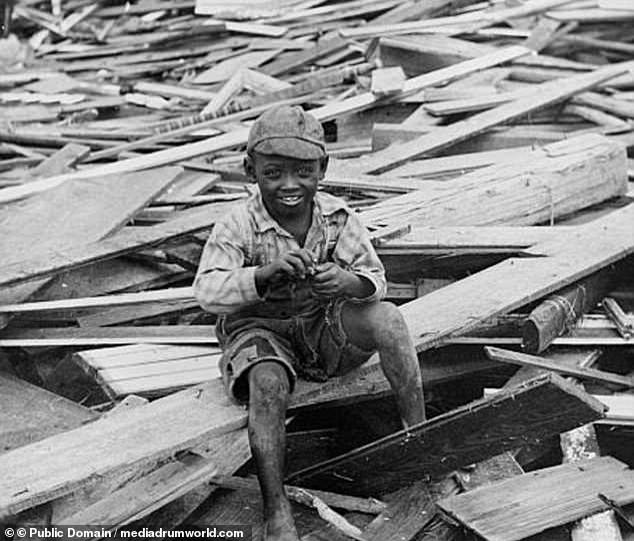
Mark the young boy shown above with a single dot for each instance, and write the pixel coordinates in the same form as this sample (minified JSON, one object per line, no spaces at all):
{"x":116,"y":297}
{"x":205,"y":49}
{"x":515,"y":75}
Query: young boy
{"x":297,"y":286}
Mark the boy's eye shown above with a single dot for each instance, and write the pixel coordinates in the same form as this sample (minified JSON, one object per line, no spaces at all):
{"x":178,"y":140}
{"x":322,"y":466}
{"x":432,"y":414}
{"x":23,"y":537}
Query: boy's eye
{"x":305,"y":171}
{"x":271,"y":173}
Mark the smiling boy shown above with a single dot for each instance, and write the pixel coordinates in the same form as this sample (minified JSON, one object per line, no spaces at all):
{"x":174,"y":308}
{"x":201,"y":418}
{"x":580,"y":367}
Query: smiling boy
{"x":297,"y":285}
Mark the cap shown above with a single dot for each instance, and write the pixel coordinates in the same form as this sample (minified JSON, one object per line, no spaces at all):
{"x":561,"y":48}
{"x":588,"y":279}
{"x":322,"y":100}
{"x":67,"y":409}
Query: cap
{"x":287,"y":131}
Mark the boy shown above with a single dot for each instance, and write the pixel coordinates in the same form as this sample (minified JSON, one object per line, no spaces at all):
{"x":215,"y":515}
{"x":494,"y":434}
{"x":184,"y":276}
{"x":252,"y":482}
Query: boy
{"x":297,"y":286}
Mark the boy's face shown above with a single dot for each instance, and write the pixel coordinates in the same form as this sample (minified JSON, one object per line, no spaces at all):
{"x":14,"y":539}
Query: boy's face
{"x":288,"y":185}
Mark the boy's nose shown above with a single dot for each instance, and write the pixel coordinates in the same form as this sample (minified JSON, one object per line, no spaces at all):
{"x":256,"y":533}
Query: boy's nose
{"x":289,"y":180}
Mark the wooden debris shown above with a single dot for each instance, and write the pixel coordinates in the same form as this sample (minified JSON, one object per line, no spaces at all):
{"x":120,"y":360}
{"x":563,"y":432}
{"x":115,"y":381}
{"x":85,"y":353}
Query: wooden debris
{"x":340,"y":501}
{"x":554,"y":407}
{"x":624,"y":323}
{"x":559,"y":312}
{"x":522,"y":359}
{"x":387,"y":81}
{"x":530,"y":106}
{"x":529,"y":504}
{"x":442,"y":138}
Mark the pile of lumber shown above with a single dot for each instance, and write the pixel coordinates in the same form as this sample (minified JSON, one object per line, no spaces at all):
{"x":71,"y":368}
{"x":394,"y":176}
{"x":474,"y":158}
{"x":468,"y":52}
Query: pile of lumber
{"x":486,"y":146}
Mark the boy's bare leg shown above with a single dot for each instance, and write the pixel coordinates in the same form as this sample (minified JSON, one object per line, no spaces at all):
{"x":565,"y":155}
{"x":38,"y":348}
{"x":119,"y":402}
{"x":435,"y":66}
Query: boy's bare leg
{"x":268,"y":398}
{"x":381,"y":326}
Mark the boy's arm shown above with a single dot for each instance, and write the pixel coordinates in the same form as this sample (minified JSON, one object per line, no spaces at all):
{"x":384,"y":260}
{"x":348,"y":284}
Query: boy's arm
{"x":223,"y":283}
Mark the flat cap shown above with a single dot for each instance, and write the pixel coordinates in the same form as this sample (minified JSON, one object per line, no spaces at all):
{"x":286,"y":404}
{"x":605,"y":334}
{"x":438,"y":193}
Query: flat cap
{"x":287,"y":130}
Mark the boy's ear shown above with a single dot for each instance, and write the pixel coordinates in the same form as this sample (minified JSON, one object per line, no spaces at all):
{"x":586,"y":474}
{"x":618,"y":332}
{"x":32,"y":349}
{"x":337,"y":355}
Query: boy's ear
{"x":249,"y":166}
{"x":324,"y":165}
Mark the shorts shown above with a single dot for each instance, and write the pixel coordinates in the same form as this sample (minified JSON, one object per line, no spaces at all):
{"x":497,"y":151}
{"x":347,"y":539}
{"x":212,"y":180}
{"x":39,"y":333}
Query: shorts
{"x":310,"y":346}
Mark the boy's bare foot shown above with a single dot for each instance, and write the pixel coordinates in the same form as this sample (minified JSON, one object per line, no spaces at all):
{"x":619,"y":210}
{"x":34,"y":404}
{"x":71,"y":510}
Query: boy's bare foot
{"x":280,"y":526}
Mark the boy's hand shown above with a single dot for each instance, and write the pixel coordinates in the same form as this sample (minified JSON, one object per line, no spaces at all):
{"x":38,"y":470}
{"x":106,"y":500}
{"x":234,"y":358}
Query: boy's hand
{"x":294,"y":264}
{"x":333,"y":281}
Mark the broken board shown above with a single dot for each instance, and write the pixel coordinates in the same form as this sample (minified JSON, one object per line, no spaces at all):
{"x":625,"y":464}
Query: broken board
{"x":542,"y":407}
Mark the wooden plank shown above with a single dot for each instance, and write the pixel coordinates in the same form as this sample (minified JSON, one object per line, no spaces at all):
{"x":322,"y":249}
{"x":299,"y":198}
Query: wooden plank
{"x":60,"y":162}
{"x":522,"y":359}
{"x":123,"y":299}
{"x":545,"y":406}
{"x":138,"y":499}
{"x":409,"y":511}
{"x":81,"y":211}
{"x":298,"y":59}
{"x":141,"y":354}
{"x":547,"y":94}
{"x":538,"y":187}
{"x":531,"y":503}
{"x":477,"y":19}
{"x":173,"y":490}
{"x":573,"y":341}
{"x":340,"y":501}
{"x":135,"y":313}
{"x":43,"y":470}
{"x":430,"y":238}
{"x":29,"y":413}
{"x":126,"y":241}
{"x":147,"y":334}
{"x":456,"y":163}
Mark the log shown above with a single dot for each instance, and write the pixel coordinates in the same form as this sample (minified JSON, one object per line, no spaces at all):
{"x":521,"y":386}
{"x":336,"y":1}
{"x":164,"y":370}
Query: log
{"x":543,"y":407}
{"x":556,"y":314}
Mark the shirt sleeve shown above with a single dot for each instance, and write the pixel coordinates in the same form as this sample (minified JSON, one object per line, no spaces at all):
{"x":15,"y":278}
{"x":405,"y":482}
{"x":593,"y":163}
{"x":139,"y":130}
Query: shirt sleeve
{"x":223,"y":284}
{"x":354,"y":252}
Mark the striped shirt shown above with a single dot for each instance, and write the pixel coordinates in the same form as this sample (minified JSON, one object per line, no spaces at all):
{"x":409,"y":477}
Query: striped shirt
{"x":249,"y":237}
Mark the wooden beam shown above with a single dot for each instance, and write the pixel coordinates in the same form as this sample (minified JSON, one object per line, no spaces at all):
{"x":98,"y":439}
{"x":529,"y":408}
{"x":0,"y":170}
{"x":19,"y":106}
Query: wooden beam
{"x":538,"y":187}
{"x":99,"y":336}
{"x":531,"y":503}
{"x":440,"y":138}
{"x":513,"y":357}
{"x":545,"y":406}
{"x":123,"y":299}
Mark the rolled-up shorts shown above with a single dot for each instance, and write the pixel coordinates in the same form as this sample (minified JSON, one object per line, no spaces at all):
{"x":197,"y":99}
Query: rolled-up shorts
{"x":310,"y":346}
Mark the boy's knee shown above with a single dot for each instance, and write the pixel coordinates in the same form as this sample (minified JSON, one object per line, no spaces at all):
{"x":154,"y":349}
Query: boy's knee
{"x":390,"y":323}
{"x":267,"y":378}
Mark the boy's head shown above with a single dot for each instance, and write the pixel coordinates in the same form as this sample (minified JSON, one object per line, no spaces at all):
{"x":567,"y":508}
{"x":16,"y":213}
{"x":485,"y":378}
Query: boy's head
{"x":286,"y":155}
